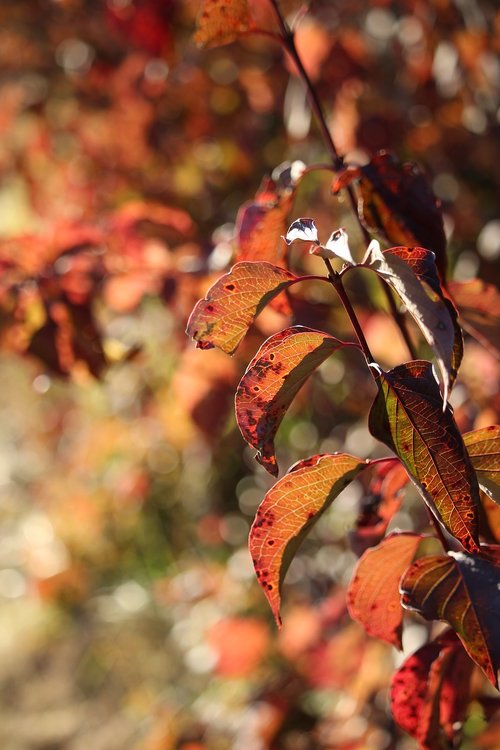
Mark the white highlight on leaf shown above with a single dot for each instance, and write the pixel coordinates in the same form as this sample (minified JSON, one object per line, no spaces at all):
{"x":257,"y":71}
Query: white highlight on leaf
{"x":338,"y":247}
{"x":302,"y":229}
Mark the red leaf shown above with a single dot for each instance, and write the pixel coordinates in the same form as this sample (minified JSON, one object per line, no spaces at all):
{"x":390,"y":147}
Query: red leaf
{"x":463,"y":590}
{"x":427,"y":692}
{"x":288,"y":512}
{"x":407,"y":416}
{"x":221,"y":22}
{"x":478,"y":306}
{"x":373,"y":597}
{"x":272,"y":380}
{"x":397,"y":201}
{"x":232,"y":303}
{"x":382,"y":501}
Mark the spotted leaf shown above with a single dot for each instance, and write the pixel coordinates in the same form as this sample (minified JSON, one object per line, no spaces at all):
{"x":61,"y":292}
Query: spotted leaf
{"x":463,"y":590}
{"x":232,"y":303}
{"x":483,"y":447}
{"x":271,"y":382}
{"x":429,"y":694}
{"x":288,"y":512}
{"x":407,"y":416}
{"x":373,"y":597}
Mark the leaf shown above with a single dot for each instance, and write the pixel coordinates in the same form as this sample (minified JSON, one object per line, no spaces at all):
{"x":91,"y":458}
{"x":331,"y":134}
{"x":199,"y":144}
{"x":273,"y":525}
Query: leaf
{"x":337,"y":246}
{"x":425,"y":305}
{"x":272,"y":380}
{"x":428,"y":695}
{"x":483,"y":447}
{"x":373,"y":597}
{"x":302,"y":229}
{"x":464,"y":591}
{"x":261,"y":223}
{"x":232,"y":303}
{"x":288,"y":512}
{"x":378,"y":506}
{"x":478,"y":306}
{"x":397,"y":201}
{"x":407,"y":416}
{"x":221,"y":22}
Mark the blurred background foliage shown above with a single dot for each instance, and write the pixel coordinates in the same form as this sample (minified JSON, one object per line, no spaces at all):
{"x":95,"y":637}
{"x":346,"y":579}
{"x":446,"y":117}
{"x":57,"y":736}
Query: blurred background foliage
{"x":130,"y":616}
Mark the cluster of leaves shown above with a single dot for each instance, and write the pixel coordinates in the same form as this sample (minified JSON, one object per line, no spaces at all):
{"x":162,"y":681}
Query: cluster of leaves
{"x":410,"y":414}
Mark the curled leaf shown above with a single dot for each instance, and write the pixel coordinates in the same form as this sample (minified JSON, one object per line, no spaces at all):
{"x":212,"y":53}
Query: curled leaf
{"x":429,"y":310}
{"x":336,"y":247}
{"x":302,"y":229}
{"x":463,"y":590}
{"x":288,"y":512}
{"x":407,"y":416}
{"x":272,"y":380}
{"x":232,"y":303}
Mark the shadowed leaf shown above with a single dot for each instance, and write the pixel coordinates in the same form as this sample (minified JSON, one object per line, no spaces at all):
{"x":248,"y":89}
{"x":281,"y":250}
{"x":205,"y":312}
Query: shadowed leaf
{"x":288,"y":512}
{"x":483,"y":447}
{"x":221,"y":22}
{"x":478,"y":306}
{"x":407,"y":416}
{"x":397,"y":202}
{"x":373,"y":597}
{"x":429,"y":692}
{"x":378,"y":506}
{"x":429,"y":310}
{"x":271,"y":382}
{"x":463,"y":590}
{"x":232,"y":303}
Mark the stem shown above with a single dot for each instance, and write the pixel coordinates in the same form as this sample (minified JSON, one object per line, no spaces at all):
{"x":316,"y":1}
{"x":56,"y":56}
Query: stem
{"x":336,"y":281}
{"x":288,"y":41}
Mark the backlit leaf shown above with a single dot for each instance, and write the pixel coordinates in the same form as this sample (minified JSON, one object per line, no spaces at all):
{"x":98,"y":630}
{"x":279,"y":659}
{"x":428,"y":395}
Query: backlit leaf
{"x":302,"y":229}
{"x":221,"y":22}
{"x":483,"y":447}
{"x":397,"y":202}
{"x":271,"y":382}
{"x":478,"y":306}
{"x":463,"y":590}
{"x":288,"y":512}
{"x":373,"y":597}
{"x":426,"y":306}
{"x":407,"y":416}
{"x":232,"y":303}
{"x":429,"y":692}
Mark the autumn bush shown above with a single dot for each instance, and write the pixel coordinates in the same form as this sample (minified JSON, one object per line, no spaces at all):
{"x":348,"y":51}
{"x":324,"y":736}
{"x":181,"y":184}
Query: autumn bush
{"x":315,"y":189}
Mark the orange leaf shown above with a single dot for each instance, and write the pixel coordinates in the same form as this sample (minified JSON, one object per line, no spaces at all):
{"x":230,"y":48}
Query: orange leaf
{"x":483,"y":447}
{"x":373,"y":597}
{"x":271,"y":382}
{"x":478,"y":306}
{"x":232,"y":303}
{"x":221,"y":22}
{"x":288,"y":512}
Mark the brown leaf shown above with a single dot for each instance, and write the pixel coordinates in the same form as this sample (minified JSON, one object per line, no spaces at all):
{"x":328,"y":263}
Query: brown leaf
{"x":478,"y":306}
{"x":483,"y":446}
{"x":221,"y":22}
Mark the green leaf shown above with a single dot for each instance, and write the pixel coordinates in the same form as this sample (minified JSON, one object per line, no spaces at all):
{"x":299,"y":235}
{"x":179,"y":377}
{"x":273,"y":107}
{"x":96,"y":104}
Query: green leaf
{"x":373,"y":597}
{"x":288,"y":512}
{"x":271,"y":382}
{"x":483,"y":447}
{"x":407,"y":416}
{"x":232,"y":303}
{"x":463,"y":590}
